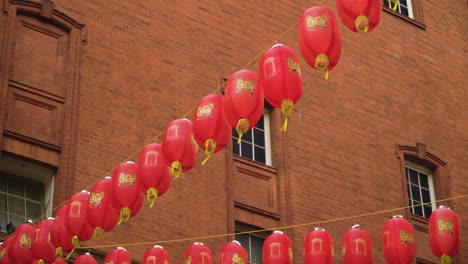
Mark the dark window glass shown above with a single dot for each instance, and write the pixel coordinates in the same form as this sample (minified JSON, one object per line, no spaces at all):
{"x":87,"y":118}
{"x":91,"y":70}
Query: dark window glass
{"x":253,"y":141}
{"x":415,"y":192}
{"x":246,"y":150}
{"x":427,"y":211}
{"x":260,"y":154}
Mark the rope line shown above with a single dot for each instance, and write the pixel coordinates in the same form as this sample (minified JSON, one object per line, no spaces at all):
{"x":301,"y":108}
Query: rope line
{"x":273,"y":228}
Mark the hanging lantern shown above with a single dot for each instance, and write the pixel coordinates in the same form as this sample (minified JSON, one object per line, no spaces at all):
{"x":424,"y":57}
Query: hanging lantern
{"x":177,"y":147}
{"x":277,"y":249}
{"x":136,"y":207}
{"x":319,"y":38}
{"x":198,"y":253}
{"x":60,"y":237}
{"x":156,"y":255}
{"x":19,"y":251}
{"x":125,"y":188}
{"x":243,"y":104}
{"x":398,"y":241}
{"x":444,"y":234}
{"x":280,"y":78}
{"x":233,"y":253}
{"x":211,"y":130}
{"x":318,"y":247}
{"x":4,"y":248}
{"x":41,"y":248}
{"x":101,"y":215}
{"x":60,"y":261}
{"x":118,"y":256}
{"x":151,"y":170}
{"x":356,"y":247}
{"x":86,"y":259}
{"x":360,"y":15}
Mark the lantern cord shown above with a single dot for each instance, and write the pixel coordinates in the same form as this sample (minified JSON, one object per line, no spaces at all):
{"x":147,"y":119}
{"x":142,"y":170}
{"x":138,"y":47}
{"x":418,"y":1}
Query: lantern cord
{"x":125,"y":214}
{"x":98,"y":233}
{"x":326,"y":75}
{"x":41,"y":261}
{"x":151,"y":195}
{"x":278,"y":228}
{"x":287,"y":106}
{"x":285,"y":124}
{"x":59,"y":252}
{"x":176,"y":169}
{"x":445,"y":259}
{"x":396,"y":5}
{"x":210,"y":147}
{"x":76,"y":244}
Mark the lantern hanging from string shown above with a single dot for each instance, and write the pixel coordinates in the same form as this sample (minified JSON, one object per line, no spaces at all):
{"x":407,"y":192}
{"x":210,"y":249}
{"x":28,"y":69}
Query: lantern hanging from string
{"x":243,"y":101}
{"x":211,"y":130}
{"x":125,"y":188}
{"x":156,"y":255}
{"x":136,"y":207}
{"x":177,"y":146}
{"x":319,"y":38}
{"x":318,"y":247}
{"x":101,"y":215}
{"x":41,"y":248}
{"x":233,"y":253}
{"x":356,"y":247}
{"x":60,"y":237}
{"x":4,"y":248}
{"x":360,"y":15}
{"x":60,"y":261}
{"x":277,"y":249}
{"x":280,"y":78}
{"x":86,"y":259}
{"x":118,"y":255}
{"x":151,"y":170}
{"x":19,"y":251}
{"x":444,"y":234}
{"x":198,"y":253}
{"x":398,"y":240}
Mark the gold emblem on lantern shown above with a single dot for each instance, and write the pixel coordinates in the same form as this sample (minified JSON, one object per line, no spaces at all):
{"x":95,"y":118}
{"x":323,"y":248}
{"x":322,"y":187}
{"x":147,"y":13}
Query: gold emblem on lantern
{"x":294,"y":66}
{"x":248,"y":86}
{"x":318,"y":21}
{"x":95,"y":199}
{"x":236,"y":259}
{"x":188,"y":260}
{"x":360,"y":244}
{"x":205,"y":111}
{"x":127,"y":179}
{"x":406,"y":237}
{"x":446,"y":226}
{"x":25,"y":241}
{"x":2,"y":253}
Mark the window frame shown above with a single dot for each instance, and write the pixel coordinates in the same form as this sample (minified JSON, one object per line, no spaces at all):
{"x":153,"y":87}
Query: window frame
{"x":420,"y":169}
{"x":409,"y":6}
{"x":241,"y":227}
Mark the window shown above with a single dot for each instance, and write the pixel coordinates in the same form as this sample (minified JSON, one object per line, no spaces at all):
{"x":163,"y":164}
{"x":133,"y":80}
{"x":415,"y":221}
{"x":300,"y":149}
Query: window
{"x":420,"y":189}
{"x":253,"y":245}
{"x":404,"y":7}
{"x":255,"y":144}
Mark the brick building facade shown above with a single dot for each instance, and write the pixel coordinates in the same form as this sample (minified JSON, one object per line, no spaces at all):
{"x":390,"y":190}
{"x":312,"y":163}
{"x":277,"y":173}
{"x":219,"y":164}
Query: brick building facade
{"x":84,"y":84}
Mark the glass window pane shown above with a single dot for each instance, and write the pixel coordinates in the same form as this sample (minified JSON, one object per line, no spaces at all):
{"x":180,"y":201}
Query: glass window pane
{"x":33,"y":191}
{"x":403,"y":2}
{"x":427,"y":211}
{"x":3,"y":183}
{"x":426,"y":196}
{"x":248,"y":136}
{"x":234,"y":134}
{"x":15,"y":187}
{"x":17,"y":220}
{"x":246,"y":150}
{"x":424,"y":180}
{"x":259,"y":138}
{"x":404,"y":10}
{"x":418,"y":209}
{"x":415,"y":192}
{"x":243,"y":239}
{"x":260,"y":123}
{"x":15,"y":205}
{"x":3,"y":202}
{"x":413,"y":176}
{"x":260,"y":155}
{"x":3,"y":222}
{"x":256,"y":250}
{"x":235,"y":147}
{"x":33,"y":210}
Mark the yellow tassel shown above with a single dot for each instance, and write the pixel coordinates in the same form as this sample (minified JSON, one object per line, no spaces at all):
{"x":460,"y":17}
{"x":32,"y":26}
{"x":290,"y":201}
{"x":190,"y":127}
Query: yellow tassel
{"x":151,"y":195}
{"x":326,"y":75}
{"x":41,"y":261}
{"x":98,"y":233}
{"x":362,"y":24}
{"x":287,"y":106}
{"x":59,"y":252}
{"x":210,"y":147}
{"x":242,"y":126}
{"x":76,"y":244}
{"x":396,"y":5}
{"x":445,"y":259}
{"x":176,"y":169}
{"x":321,"y":62}
{"x":125,"y":214}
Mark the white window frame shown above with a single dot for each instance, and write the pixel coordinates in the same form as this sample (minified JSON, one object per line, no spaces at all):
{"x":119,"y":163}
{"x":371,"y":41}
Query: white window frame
{"x":421,"y":169}
{"x":409,"y":6}
{"x":248,"y":247}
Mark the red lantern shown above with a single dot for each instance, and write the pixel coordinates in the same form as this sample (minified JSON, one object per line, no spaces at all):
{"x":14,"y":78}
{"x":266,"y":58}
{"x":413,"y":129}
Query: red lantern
{"x":156,"y":255}
{"x":243,"y":105}
{"x":86,"y":259}
{"x":318,"y":247}
{"x":444,"y":234}
{"x":360,"y":15}
{"x":211,"y":130}
{"x":20,"y":248}
{"x":136,"y":207}
{"x":319,"y":38}
{"x":41,"y":247}
{"x":177,"y":147}
{"x":4,"y":248}
{"x":277,"y":249}
{"x":398,"y":241}
{"x":280,"y":77}
{"x":233,"y":253}
{"x":151,"y":170}
{"x":60,"y":261}
{"x":356,"y":247}
{"x":198,"y":253}
{"x":101,"y":215}
{"x":60,"y":237}
{"x":125,"y":186}
{"x":118,"y":256}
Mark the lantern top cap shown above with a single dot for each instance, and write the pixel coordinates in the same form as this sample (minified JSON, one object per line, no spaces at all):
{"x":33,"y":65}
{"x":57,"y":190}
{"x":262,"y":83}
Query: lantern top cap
{"x":444,"y":206}
{"x":50,"y":218}
{"x":277,"y":45}
{"x":319,"y":229}
{"x":277,"y":232}
{"x":198,"y":243}
{"x":158,"y":246}
{"x":30,"y":222}
{"x":355,"y":226}
{"x":107,"y":177}
{"x":129,"y":161}
{"x":397,"y":216}
{"x":122,"y":248}
{"x":85,"y":191}
{"x":237,"y":242}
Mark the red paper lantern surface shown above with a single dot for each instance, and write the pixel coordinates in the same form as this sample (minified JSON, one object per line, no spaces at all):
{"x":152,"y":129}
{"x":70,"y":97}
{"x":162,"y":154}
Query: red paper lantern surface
{"x":41,"y":246}
{"x":19,"y":251}
{"x":356,"y":247}
{"x":277,"y":249}
{"x":125,"y":188}
{"x":136,"y":207}
{"x":59,"y":261}
{"x":76,"y":219}
{"x":118,"y":256}
{"x":233,"y":253}
{"x":318,"y":247}
{"x":60,"y":237}
{"x":211,"y":130}
{"x":177,"y":147}
{"x":319,"y":38}
{"x":360,"y":15}
{"x":444,"y":234}
{"x":398,"y":241}
{"x":152,"y":169}
{"x":280,"y":78}
{"x":198,"y":253}
{"x":156,"y":255}
{"x":243,"y":104}
{"x":101,"y":215}
{"x":86,"y":259}
{"x":4,"y":248}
